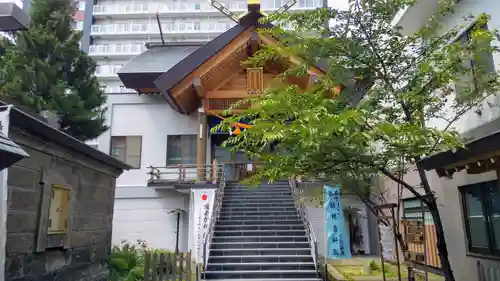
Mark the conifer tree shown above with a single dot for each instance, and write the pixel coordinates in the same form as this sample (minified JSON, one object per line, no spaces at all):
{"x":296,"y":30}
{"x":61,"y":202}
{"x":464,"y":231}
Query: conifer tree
{"x":45,"y":69}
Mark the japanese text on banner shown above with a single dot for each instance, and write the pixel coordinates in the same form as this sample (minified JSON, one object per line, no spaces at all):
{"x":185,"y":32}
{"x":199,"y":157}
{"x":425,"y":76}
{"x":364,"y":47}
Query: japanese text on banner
{"x":337,"y":237}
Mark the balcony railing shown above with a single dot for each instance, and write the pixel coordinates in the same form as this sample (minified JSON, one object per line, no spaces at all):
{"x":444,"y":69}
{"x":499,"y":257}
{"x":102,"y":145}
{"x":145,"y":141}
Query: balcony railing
{"x":176,"y":8}
{"x":117,"y":49}
{"x":185,"y":174}
{"x":162,"y":8}
{"x":118,"y":90}
{"x":107,"y":70}
{"x":172,"y":28}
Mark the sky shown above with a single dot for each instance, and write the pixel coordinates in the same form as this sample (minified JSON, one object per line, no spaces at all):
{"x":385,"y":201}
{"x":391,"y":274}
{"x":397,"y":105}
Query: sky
{"x":337,"y":4}
{"x":18,"y":2}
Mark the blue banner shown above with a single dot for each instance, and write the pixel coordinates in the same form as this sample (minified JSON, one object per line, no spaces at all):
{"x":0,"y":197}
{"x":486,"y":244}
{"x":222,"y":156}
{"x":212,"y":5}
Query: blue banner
{"x":338,"y":246}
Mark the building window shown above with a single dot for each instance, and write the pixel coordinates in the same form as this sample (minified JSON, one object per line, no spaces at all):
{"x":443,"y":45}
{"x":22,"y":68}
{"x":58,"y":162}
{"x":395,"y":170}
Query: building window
{"x":181,"y":149}
{"x":481,"y":210}
{"x":79,"y":25}
{"x":484,"y":62}
{"x":127,"y":149}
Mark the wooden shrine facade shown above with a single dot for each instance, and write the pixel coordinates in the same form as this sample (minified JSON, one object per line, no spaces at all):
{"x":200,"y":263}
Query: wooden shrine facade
{"x":208,"y":78}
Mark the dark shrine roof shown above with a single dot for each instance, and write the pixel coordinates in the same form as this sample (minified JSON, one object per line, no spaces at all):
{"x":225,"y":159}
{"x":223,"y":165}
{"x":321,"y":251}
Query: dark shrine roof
{"x":142,"y":70}
{"x":190,"y":63}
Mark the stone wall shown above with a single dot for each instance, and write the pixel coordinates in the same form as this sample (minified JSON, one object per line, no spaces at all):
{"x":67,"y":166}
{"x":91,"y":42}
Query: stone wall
{"x":81,"y":253}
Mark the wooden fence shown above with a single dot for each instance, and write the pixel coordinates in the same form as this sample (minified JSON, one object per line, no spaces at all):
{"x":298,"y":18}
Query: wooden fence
{"x":170,"y":267}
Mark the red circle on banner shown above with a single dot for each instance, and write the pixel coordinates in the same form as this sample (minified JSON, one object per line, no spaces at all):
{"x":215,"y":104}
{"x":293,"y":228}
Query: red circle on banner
{"x":204,"y":197}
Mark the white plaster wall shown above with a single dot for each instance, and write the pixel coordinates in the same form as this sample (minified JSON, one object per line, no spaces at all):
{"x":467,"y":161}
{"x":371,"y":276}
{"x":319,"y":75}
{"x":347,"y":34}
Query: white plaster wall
{"x":450,"y":208}
{"x":147,"y":218}
{"x":154,"y":120}
{"x":418,"y":14}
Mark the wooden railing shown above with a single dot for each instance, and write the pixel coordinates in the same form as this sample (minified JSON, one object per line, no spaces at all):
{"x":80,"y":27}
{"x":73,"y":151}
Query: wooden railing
{"x":224,"y":104}
{"x":170,"y":267}
{"x":186,"y":173}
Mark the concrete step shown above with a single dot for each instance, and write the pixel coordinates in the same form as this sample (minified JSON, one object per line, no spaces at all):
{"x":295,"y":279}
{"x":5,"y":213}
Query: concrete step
{"x":232,"y":209}
{"x":260,"y":199}
{"x":260,"y":266}
{"x":294,"y":221}
{"x":281,"y":279}
{"x":261,"y":259}
{"x":259,"y":218}
{"x":260,"y":213}
{"x":258,"y":245}
{"x":260,"y":187}
{"x":255,"y":239}
{"x":256,"y":194}
{"x":257,"y":204}
{"x":232,"y":233}
{"x":272,"y":227}
{"x":254,"y":274}
{"x":260,"y":252}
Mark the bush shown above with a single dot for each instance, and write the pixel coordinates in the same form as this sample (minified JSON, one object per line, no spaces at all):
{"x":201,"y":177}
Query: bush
{"x":374,"y":266}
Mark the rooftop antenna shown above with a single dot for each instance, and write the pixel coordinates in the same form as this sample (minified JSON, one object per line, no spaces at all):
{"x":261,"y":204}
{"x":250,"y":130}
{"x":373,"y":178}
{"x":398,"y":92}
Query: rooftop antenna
{"x":236,"y":18}
{"x":159,"y":26}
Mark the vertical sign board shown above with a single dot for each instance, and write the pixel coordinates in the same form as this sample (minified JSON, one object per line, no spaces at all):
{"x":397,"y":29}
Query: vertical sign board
{"x":4,"y":128}
{"x":387,"y":241}
{"x":338,"y":246}
{"x":203,"y":207}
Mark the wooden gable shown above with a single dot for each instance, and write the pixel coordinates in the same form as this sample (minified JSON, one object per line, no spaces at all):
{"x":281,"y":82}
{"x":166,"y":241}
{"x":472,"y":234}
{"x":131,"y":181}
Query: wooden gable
{"x":223,"y":79}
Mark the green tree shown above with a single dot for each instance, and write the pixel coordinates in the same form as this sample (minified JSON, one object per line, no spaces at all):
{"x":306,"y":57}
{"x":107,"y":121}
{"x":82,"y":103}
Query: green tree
{"x":45,"y":69}
{"x":422,"y":84}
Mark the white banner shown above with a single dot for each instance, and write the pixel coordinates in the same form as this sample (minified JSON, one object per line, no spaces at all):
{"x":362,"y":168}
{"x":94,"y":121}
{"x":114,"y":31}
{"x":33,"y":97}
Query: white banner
{"x":203,"y":207}
{"x":4,"y":128}
{"x":387,"y":241}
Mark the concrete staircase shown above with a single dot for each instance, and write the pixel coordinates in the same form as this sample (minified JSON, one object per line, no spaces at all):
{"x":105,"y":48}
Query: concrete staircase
{"x":260,"y":237}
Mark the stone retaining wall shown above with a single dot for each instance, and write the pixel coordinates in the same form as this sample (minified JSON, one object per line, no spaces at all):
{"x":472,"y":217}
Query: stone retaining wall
{"x":82,"y":252}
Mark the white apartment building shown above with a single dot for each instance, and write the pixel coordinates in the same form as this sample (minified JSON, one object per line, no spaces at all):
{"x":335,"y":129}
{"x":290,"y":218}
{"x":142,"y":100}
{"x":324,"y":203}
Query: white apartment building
{"x":144,"y":129}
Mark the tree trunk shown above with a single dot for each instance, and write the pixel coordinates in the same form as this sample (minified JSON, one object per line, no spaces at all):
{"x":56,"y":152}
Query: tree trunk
{"x":441,"y":242}
{"x":430,"y":201}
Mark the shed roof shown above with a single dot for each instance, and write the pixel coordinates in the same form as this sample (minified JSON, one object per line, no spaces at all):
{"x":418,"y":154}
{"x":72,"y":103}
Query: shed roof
{"x":142,"y":70}
{"x":476,"y":157}
{"x":10,"y":152}
{"x":34,"y":123}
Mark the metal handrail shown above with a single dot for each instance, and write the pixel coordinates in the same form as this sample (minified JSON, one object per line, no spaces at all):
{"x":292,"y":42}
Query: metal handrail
{"x":305,"y":219}
{"x":219,"y":193}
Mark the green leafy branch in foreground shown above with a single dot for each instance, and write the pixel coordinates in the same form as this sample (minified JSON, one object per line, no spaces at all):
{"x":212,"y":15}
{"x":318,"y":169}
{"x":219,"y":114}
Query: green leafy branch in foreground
{"x":419,"y":86}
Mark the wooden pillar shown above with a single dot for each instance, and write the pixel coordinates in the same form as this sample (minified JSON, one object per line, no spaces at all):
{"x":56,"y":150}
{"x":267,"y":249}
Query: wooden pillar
{"x":201,"y":147}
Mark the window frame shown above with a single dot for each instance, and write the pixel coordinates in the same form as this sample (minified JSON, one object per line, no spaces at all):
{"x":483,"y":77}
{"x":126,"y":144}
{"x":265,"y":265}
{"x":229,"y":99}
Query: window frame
{"x":140,"y":150}
{"x":492,"y":249}
{"x":467,"y":35}
{"x":167,"y":162}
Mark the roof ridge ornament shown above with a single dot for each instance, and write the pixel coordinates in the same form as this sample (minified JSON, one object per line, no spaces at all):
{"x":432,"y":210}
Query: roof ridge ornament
{"x":252,"y":6}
